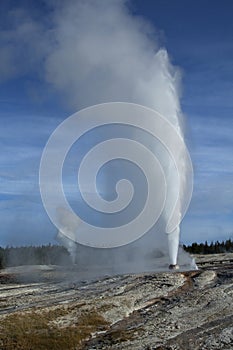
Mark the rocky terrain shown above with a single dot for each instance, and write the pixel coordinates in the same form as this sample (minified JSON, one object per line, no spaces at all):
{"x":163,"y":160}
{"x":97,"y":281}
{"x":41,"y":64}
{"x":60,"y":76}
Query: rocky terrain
{"x":41,"y":308}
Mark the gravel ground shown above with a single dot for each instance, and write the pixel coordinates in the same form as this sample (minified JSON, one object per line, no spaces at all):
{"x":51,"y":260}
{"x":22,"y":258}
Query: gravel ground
{"x":170,"y":310}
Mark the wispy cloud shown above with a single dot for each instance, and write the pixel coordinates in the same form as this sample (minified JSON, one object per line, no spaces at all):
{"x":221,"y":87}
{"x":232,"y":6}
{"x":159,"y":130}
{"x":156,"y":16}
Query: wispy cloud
{"x":18,"y":55}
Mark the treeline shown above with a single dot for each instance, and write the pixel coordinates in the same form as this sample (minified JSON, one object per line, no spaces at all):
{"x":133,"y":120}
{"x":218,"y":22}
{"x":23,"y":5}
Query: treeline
{"x":212,"y":248}
{"x":58,"y":255}
{"x":30,"y":255}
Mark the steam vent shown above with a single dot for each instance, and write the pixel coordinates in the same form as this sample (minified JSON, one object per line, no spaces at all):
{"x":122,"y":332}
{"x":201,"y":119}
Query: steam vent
{"x":174,"y":267}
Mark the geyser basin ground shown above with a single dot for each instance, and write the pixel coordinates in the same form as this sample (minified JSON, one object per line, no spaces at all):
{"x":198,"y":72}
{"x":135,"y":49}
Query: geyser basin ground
{"x":190,"y":310}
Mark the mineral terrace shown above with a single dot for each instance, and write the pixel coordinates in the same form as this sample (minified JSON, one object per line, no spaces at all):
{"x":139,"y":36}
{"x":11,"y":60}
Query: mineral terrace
{"x":41,"y":308}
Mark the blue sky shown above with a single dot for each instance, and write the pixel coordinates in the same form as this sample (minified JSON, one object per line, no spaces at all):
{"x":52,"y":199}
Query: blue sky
{"x":198,"y":36}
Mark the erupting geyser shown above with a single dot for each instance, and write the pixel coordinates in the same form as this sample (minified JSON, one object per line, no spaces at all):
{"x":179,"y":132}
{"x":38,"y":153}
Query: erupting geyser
{"x":109,"y":55}
{"x":173,"y":245}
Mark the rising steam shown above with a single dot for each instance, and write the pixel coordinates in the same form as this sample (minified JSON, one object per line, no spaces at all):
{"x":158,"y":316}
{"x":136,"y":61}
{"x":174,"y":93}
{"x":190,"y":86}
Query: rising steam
{"x":100,"y":52}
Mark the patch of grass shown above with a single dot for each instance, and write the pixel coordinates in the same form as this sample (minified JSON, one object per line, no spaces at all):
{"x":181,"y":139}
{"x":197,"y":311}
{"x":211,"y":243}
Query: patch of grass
{"x":36,"y":330}
{"x":106,"y":307}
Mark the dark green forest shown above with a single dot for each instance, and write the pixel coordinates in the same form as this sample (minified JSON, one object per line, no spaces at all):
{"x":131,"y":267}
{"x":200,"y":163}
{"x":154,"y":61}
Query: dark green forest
{"x":212,"y":248}
{"x":58,"y":255}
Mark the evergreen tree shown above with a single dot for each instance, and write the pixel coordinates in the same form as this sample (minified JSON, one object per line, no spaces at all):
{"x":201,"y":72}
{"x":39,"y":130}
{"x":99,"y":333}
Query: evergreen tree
{"x":212,"y":248}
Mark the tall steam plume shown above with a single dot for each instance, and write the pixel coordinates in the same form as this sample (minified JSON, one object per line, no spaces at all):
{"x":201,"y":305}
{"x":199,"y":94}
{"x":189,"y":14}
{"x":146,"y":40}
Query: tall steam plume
{"x":100,"y":52}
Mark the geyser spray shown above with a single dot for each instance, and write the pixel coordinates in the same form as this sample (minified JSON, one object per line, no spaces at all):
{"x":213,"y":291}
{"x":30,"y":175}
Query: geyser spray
{"x":103,"y":54}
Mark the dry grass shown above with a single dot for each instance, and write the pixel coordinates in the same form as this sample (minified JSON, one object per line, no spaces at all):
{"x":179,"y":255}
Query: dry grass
{"x":37,"y":330}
